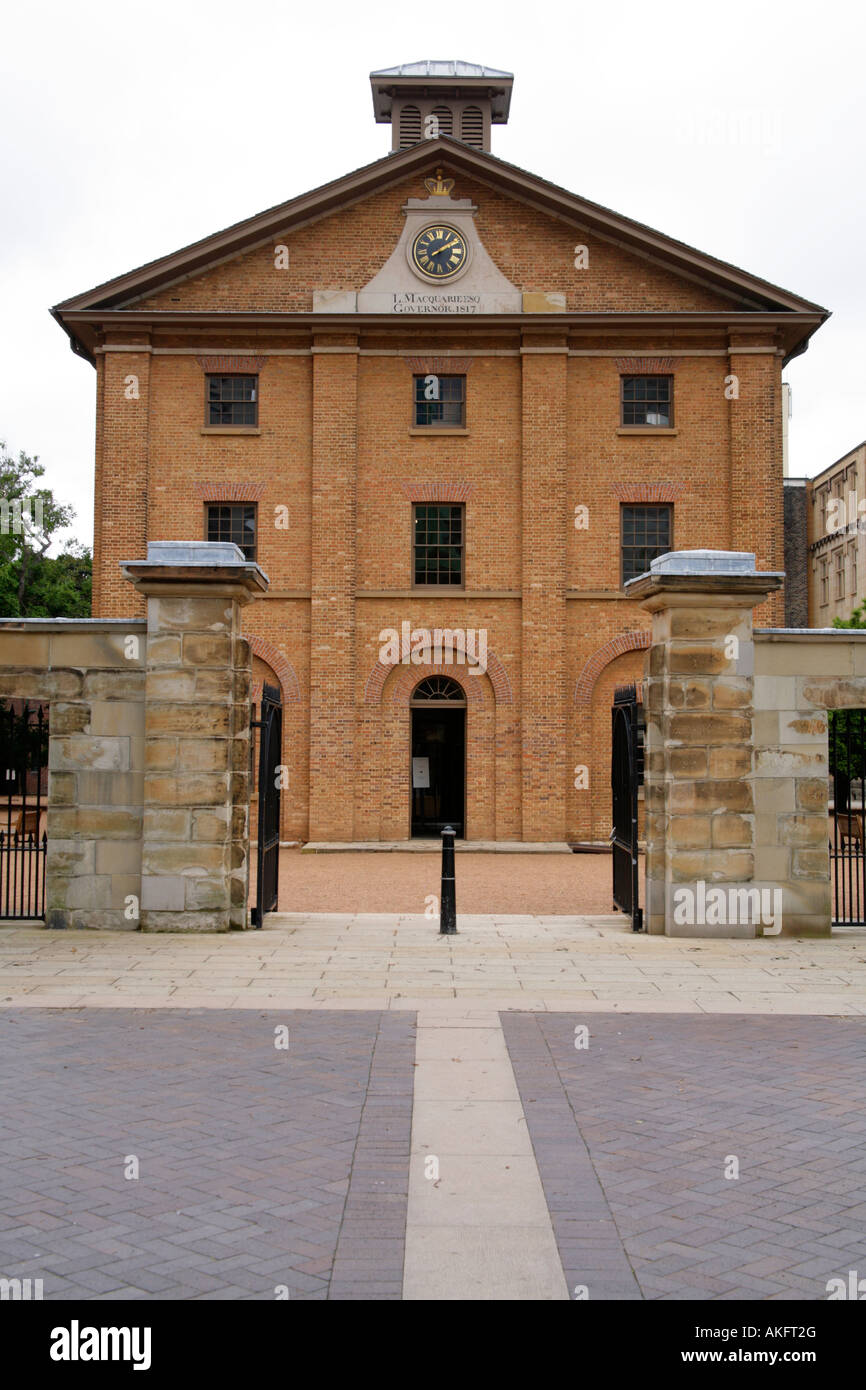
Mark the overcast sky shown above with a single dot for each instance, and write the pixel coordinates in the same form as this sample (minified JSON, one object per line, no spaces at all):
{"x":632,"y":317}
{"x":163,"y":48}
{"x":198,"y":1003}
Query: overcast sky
{"x":130,"y":130}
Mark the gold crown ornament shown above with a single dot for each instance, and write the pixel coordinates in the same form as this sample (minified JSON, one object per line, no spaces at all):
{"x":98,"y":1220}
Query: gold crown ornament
{"x":439,"y":187}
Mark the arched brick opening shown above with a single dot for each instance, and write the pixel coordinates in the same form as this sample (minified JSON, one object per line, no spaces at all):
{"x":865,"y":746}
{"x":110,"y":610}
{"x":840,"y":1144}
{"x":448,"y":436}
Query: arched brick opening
{"x":617,"y":646}
{"x":281,"y":667}
{"x":294,"y":806}
{"x":496,"y":672}
{"x":402,"y":687}
{"x":620,"y":659}
{"x":387,"y":764}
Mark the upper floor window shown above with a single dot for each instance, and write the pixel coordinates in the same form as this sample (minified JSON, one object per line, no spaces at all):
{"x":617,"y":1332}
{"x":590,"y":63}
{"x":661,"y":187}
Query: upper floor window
{"x":440,"y":400}
{"x":852,"y":561}
{"x":825,"y":584}
{"x":234,"y":521}
{"x":647,"y":532}
{"x":839,"y":562}
{"x":647,"y":400}
{"x":232,"y":400}
{"x":438,"y":543}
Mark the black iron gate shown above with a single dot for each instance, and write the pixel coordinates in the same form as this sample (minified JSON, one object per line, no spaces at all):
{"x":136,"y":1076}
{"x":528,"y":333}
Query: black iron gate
{"x":23,"y":809}
{"x":626,"y":775}
{"x":847,"y":741}
{"x":270,"y":727}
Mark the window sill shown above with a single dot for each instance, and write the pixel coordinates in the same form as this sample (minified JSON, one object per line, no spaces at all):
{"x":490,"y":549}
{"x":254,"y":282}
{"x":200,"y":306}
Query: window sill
{"x":230,"y":429}
{"x":431,"y":431}
{"x":646,"y":429}
{"x":485,"y":594}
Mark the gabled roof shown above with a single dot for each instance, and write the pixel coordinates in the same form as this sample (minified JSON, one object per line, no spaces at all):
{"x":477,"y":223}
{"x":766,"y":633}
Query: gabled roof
{"x":437,"y":67}
{"x":748,"y":293}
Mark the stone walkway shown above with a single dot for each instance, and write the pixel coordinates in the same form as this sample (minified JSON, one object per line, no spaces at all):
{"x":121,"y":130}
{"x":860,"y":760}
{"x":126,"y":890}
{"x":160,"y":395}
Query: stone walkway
{"x":339,"y":960}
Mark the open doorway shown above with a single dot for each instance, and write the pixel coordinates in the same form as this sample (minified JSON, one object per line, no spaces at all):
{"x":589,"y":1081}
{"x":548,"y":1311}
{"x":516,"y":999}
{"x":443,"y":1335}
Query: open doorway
{"x":438,"y":766}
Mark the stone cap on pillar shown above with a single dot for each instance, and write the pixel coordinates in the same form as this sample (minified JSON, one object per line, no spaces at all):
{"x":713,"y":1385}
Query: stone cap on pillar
{"x":716,"y":575}
{"x":217,"y":567}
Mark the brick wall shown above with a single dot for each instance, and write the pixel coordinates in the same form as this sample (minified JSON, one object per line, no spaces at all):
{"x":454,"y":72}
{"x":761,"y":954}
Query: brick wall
{"x":796,"y":555}
{"x":334,"y":454}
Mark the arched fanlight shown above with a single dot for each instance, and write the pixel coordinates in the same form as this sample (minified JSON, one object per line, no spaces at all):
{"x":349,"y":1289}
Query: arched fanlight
{"x":438,"y":688}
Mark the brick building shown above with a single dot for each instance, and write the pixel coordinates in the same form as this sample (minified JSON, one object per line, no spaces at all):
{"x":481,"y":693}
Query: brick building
{"x":441,"y":393}
{"x":833,"y":530}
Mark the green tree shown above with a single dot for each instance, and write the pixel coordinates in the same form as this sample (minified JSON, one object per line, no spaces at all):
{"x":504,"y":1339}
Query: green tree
{"x":857,"y":618}
{"x":34,"y":584}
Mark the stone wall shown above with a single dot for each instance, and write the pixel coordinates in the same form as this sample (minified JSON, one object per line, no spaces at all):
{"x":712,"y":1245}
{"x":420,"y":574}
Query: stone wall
{"x":799,"y":676}
{"x":149,"y":746}
{"x":91,"y":675}
{"x":737,"y":828}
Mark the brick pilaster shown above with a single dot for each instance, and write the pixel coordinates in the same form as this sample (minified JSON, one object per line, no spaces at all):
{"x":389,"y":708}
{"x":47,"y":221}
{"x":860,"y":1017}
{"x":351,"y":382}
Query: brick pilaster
{"x":757,"y":503}
{"x":332,"y":607}
{"x":121,"y":482}
{"x":543,"y":711}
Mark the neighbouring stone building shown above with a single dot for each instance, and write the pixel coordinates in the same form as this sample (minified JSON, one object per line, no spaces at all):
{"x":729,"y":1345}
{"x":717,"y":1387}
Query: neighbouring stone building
{"x":833,"y":537}
{"x":441,"y":394}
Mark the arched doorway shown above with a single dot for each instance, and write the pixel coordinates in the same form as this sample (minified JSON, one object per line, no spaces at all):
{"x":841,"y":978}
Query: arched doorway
{"x":438,"y":768}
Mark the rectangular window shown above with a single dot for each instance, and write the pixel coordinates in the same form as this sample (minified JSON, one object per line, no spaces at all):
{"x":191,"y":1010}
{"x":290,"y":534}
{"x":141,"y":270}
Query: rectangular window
{"x":232,"y":400}
{"x":438,"y":543}
{"x":825,"y":584}
{"x":440,"y":401}
{"x":235,"y":522}
{"x":646,"y":533}
{"x":852,"y":564}
{"x":839,"y":562}
{"x":648,"y":400}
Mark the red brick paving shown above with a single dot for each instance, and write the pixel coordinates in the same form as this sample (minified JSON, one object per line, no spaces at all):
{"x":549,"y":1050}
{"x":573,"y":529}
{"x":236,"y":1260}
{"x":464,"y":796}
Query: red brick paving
{"x":395,"y":881}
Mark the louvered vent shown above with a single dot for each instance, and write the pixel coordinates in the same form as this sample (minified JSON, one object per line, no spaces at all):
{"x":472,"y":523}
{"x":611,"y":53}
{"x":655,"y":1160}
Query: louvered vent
{"x":410,"y":126}
{"x":445,"y":117}
{"x":472,"y":128}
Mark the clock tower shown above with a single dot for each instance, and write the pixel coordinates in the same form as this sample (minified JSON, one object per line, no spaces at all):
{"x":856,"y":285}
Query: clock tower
{"x":421,"y":101}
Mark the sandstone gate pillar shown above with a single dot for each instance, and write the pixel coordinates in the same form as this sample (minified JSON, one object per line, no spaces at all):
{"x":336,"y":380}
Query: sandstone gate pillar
{"x":195,"y":839}
{"x":699,"y":756}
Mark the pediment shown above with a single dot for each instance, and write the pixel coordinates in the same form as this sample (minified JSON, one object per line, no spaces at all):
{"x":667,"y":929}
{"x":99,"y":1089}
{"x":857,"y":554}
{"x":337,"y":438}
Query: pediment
{"x":522,"y":232}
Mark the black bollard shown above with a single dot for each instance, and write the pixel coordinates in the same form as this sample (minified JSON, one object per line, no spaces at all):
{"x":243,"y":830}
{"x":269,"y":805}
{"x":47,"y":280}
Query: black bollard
{"x":448,"y":900}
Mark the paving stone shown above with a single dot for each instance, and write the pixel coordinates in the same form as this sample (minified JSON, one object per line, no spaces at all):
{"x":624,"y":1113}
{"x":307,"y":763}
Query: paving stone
{"x":248,"y":1155}
{"x":640,"y":1125}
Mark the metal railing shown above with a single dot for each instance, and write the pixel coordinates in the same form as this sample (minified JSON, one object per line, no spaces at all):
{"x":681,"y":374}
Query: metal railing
{"x":23,"y":809}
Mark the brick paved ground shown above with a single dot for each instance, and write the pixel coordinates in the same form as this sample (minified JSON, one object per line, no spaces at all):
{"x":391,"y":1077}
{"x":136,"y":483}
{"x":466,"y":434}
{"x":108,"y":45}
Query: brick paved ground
{"x":399,"y":881}
{"x":261,"y":1167}
{"x":631,"y":1137}
{"x":258,"y":1167}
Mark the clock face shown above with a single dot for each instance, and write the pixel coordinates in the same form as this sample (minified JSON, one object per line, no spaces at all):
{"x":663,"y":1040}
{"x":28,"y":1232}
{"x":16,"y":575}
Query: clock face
{"x":439,"y":252}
